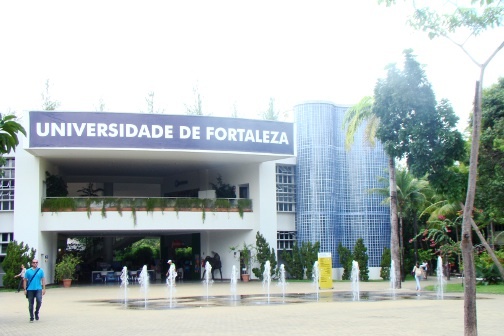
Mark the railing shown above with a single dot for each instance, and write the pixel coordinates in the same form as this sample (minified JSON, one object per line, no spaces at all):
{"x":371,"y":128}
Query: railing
{"x":149,"y":204}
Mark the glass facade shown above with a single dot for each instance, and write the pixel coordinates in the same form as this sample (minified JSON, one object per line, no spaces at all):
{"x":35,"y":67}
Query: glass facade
{"x":333,"y":202}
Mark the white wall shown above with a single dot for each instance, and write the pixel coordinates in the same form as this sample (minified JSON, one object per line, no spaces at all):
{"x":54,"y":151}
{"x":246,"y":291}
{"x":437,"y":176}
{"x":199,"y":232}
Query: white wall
{"x":30,"y":172}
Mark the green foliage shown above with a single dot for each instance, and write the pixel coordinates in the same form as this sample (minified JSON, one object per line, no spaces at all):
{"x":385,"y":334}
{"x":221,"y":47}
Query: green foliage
{"x":143,"y":255}
{"x":360,"y":255}
{"x":65,"y":269}
{"x":345,"y":259}
{"x":263,"y":254}
{"x":309,"y":253}
{"x":385,"y":264}
{"x":411,"y":125}
{"x":490,"y":196}
{"x":55,"y":186}
{"x":59,"y":203}
{"x":183,"y":253}
{"x":246,"y":255}
{"x":243,"y":203}
{"x":9,"y":130}
{"x":89,"y":190}
{"x":486,"y":269}
{"x":355,"y":116}
{"x":300,"y":258}
{"x":223,"y":190}
{"x":222,"y":203}
{"x":17,"y":254}
{"x":270,"y":113}
{"x":293,"y":263}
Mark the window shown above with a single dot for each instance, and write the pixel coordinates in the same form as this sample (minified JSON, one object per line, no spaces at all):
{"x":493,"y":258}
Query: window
{"x":243,"y":191}
{"x":285,"y":240}
{"x":7,"y":185}
{"x":285,"y":188}
{"x":6,"y":238}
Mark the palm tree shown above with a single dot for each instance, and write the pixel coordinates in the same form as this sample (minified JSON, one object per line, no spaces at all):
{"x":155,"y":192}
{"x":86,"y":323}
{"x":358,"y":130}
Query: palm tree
{"x":9,"y":130}
{"x":412,"y":195}
{"x":354,"y":117}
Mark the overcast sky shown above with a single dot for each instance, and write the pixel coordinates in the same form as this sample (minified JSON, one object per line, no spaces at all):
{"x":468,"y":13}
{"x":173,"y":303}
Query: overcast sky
{"x":237,"y":53}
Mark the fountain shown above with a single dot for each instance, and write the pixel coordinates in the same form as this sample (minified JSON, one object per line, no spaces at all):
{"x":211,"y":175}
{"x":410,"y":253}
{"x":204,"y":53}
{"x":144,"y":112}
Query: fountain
{"x":170,"y":282}
{"x":392,"y":278}
{"x":316,"y":277}
{"x":355,"y":280}
{"x":143,"y":280}
{"x":125,"y":283}
{"x":440,"y":278}
{"x":233,"y":282}
{"x":281,"y":280}
{"x":267,"y":278}
{"x":208,"y":273}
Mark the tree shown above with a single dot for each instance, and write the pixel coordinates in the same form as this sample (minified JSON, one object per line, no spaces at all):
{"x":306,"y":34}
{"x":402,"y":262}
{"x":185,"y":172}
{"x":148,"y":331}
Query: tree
{"x":197,"y":107}
{"x":345,"y":258}
{"x":270,"y":113}
{"x":223,"y":190}
{"x":364,"y":112}
{"x":300,"y":258}
{"x":358,"y":114}
{"x":263,"y":254}
{"x":293,"y":262}
{"x":47,"y":103}
{"x":412,"y":194}
{"x":471,"y":22}
{"x":9,"y":131}
{"x":412,"y":126}
{"x":309,"y":253}
{"x":55,"y":186}
{"x":16,"y":254}
{"x":150,"y":103}
{"x":491,"y":167}
{"x":385,"y":264}
{"x":360,"y":255}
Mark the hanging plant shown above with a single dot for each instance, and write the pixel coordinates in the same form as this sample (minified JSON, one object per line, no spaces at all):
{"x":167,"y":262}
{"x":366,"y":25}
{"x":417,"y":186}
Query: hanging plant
{"x":243,"y":203}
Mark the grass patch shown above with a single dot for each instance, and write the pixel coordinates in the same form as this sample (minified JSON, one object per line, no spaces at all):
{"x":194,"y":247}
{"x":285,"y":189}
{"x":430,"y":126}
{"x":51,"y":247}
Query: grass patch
{"x":481,"y":289}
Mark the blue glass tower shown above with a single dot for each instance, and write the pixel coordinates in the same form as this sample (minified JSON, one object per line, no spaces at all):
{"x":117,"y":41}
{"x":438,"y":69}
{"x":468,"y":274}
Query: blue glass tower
{"x":332,"y":184}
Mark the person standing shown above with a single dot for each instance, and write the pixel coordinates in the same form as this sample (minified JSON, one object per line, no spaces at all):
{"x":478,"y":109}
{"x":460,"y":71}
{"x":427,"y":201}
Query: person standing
{"x":34,"y":288}
{"x":425,"y":268}
{"x":417,"y":272}
{"x":21,"y":275}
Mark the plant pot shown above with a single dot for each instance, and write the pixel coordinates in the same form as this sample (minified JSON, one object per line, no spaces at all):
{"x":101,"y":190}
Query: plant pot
{"x":67,"y":282}
{"x":245,"y":277}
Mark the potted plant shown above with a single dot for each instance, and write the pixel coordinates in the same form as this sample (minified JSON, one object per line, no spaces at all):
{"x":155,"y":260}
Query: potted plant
{"x":246,"y":257}
{"x":65,"y":269}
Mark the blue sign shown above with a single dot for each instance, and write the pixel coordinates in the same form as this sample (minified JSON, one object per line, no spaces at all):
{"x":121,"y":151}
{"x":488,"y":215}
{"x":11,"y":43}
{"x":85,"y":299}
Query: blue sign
{"x":49,"y":129}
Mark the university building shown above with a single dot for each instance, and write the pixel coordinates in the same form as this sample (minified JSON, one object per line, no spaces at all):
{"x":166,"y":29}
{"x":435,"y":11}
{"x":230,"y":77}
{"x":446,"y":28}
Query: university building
{"x":131,"y":176}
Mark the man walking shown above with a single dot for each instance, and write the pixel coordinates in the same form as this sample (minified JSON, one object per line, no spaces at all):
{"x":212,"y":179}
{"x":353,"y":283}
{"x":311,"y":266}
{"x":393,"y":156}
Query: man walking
{"x":34,"y":288}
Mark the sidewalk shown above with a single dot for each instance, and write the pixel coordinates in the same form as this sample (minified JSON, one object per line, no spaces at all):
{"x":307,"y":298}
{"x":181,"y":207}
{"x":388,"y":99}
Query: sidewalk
{"x":87,"y":310}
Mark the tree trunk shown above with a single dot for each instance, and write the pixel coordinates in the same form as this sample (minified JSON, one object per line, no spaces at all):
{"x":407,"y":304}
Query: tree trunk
{"x":394,"y":223}
{"x":470,"y":317}
{"x":401,"y":247}
{"x":415,"y":233}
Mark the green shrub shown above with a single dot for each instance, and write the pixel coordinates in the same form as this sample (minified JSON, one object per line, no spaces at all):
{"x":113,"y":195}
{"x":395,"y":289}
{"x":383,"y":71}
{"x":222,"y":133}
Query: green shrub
{"x":385,"y":264}
{"x":16,"y":255}
{"x":486,"y":269}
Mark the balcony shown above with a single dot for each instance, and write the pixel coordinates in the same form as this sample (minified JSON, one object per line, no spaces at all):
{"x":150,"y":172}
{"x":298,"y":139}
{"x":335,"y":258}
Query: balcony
{"x":145,"y":204}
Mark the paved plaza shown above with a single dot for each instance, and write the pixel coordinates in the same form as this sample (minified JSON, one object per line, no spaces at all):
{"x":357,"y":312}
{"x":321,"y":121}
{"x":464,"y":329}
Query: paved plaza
{"x":99,"y":310}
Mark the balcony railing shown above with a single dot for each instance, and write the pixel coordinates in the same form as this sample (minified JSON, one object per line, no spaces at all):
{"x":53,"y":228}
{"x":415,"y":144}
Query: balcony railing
{"x":148,"y":204}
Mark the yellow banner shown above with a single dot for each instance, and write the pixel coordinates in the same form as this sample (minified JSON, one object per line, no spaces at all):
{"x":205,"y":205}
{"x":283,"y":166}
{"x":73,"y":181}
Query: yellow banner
{"x":325,"y":268}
